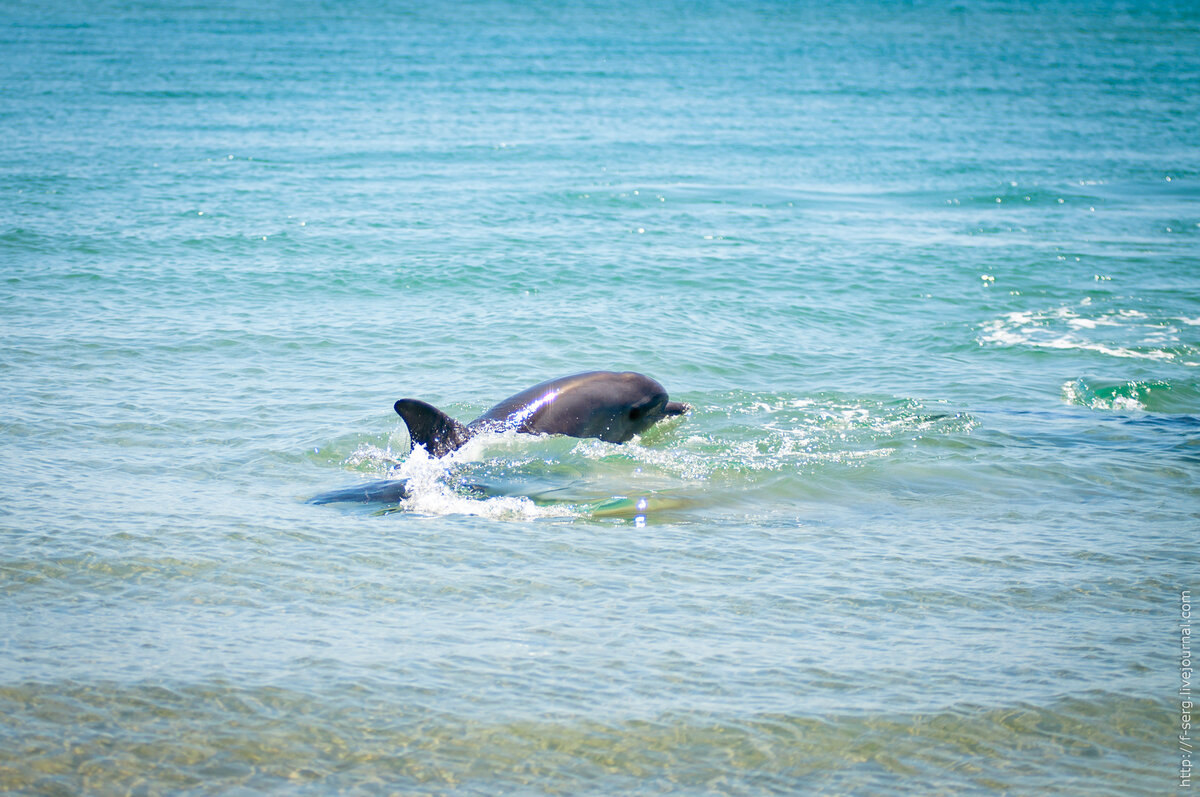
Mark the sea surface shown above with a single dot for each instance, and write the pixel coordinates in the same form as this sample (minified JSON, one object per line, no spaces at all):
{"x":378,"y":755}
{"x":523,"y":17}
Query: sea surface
{"x":928,"y":274}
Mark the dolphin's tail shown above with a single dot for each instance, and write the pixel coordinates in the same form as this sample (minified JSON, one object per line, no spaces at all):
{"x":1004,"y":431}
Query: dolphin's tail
{"x":432,"y":428}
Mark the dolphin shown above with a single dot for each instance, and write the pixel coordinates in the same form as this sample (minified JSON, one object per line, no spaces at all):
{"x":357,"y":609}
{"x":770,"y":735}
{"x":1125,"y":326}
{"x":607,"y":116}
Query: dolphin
{"x":604,"y":404}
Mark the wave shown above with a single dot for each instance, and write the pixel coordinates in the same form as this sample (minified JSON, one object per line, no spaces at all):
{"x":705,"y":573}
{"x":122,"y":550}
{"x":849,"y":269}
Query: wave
{"x":1115,"y":332}
{"x":1132,"y":395}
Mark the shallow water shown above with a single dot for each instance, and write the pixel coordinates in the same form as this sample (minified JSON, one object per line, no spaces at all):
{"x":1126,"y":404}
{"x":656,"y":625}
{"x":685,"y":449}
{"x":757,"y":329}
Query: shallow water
{"x":927,"y":276}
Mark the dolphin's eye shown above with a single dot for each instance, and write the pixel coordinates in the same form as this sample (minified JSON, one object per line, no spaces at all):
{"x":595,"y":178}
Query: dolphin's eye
{"x":635,"y":413}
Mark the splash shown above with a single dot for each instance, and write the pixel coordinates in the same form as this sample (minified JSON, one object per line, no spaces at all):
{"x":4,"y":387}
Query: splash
{"x":372,"y":456}
{"x":434,"y":489}
{"x":782,"y":434}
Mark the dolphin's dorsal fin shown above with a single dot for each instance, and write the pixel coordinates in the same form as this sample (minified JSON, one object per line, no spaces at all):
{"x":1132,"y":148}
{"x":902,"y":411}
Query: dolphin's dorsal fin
{"x":432,"y":428}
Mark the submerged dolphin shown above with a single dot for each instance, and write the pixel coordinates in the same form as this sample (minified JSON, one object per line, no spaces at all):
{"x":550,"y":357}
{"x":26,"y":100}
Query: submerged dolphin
{"x":605,"y":404}
{"x":384,"y":491}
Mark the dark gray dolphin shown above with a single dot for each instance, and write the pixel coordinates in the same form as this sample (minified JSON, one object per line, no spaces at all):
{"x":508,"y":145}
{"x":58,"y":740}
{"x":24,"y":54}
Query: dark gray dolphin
{"x":605,"y":404}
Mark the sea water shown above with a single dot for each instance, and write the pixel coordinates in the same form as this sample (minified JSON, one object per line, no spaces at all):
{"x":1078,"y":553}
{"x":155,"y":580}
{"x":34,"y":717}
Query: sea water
{"x":927,"y":273}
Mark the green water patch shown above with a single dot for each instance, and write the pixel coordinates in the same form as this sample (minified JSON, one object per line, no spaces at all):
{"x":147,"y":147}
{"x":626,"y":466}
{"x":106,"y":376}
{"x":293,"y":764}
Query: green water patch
{"x":1133,"y":395}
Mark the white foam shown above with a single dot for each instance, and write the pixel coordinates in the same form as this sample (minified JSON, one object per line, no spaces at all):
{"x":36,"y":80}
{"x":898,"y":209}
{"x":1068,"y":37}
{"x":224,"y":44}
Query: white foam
{"x":1092,"y":323}
{"x":1064,"y":328}
{"x":1126,"y":403}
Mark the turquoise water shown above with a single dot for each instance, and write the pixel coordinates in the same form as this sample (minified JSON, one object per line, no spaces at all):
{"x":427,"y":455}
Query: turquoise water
{"x":927,"y":273}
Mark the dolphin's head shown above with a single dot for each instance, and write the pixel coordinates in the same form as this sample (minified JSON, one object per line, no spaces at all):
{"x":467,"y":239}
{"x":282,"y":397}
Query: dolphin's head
{"x":644,"y":403}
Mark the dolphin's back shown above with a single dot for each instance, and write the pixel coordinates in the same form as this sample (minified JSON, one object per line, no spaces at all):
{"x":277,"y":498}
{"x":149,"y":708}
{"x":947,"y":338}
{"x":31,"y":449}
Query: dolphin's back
{"x":580,"y":405}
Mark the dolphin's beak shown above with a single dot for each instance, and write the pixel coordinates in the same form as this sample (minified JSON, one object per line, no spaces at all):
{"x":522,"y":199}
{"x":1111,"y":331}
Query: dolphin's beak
{"x":675,"y":408}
